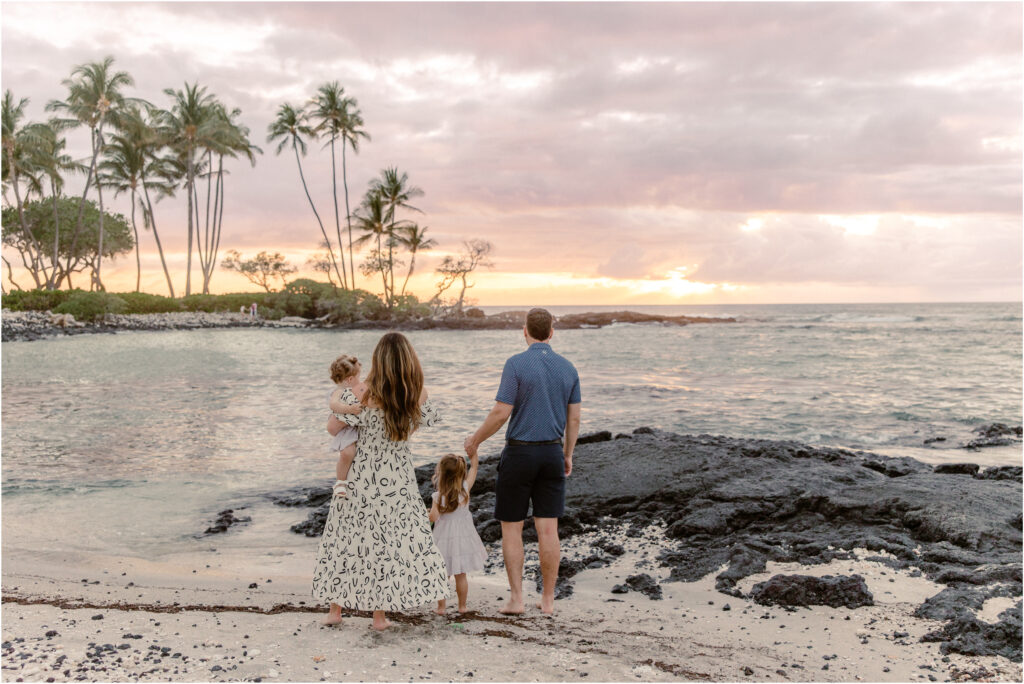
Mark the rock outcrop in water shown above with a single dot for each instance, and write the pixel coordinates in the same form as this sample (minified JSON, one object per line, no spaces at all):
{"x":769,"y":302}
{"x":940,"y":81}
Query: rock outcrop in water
{"x":34,"y":325}
{"x":740,"y":503}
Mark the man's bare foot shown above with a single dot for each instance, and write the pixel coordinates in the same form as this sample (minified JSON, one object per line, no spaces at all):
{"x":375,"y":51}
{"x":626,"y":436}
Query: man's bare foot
{"x":381,"y":627}
{"x":513,"y":608}
{"x":547,"y":609}
{"x":463,"y":610}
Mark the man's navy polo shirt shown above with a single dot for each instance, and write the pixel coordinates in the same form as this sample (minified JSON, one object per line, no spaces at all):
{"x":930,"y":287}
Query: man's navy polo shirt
{"x":539,"y":384}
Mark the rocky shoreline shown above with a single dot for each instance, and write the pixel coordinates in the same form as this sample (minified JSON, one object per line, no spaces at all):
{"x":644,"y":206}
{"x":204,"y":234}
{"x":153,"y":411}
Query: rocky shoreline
{"x":35,"y":325}
{"x":739,"y":504}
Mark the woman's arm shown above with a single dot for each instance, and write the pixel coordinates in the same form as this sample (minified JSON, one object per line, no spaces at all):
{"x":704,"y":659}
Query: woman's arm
{"x":339,"y":406}
{"x":334,"y":426}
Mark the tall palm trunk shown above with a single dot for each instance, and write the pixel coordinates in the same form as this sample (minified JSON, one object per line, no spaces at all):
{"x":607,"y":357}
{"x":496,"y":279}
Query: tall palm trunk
{"x":207,"y":237}
{"x":138,"y":260}
{"x":99,"y":251}
{"x":159,"y":247}
{"x":188,"y":187}
{"x":81,"y":203}
{"x":218,"y":220}
{"x":391,"y":260}
{"x":34,"y":269}
{"x":412,"y":265}
{"x":51,"y":284}
{"x":337,"y":221}
{"x":348,"y":215}
{"x":302,"y":177}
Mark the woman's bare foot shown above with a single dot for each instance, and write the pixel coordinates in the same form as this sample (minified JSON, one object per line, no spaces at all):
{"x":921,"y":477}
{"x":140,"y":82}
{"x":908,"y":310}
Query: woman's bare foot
{"x":513,"y":608}
{"x":547,"y":609}
{"x":380,"y":627}
{"x":333,"y":617}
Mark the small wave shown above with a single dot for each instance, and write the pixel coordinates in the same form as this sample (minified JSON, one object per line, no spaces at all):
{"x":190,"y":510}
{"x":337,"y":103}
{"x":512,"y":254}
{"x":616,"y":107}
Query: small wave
{"x":861,"y":318}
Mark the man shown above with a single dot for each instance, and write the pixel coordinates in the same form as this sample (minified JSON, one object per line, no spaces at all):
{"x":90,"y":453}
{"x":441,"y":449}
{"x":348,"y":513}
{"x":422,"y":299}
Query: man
{"x":540,"y":391}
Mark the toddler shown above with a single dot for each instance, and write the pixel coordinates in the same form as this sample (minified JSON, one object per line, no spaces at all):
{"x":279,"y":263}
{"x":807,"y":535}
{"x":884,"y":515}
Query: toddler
{"x":344,"y":398}
{"x":454,"y":532}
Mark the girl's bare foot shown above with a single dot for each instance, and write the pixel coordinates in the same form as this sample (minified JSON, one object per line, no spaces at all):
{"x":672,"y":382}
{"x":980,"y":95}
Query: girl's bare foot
{"x":441,"y":608}
{"x":380,"y":627}
{"x":513,"y":608}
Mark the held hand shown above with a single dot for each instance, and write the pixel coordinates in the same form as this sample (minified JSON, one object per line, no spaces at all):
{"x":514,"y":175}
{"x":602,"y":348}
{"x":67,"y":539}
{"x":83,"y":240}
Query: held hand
{"x":470,"y":446}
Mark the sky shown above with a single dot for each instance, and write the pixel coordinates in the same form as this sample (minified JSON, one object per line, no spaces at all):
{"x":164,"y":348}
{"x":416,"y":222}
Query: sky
{"x":612,"y":153}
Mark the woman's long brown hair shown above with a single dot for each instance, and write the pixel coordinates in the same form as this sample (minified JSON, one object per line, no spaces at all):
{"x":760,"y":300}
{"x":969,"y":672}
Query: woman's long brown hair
{"x":395,"y":383}
{"x":448,"y":477}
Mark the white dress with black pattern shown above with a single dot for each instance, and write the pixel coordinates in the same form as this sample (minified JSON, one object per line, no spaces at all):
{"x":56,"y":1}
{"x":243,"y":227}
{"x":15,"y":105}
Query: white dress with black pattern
{"x":377,"y":551}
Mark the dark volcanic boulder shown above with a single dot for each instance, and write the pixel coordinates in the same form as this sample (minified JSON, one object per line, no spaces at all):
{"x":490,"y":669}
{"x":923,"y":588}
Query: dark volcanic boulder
{"x":803,"y":590}
{"x":643,"y":583}
{"x":957,"y":468}
{"x":603,"y":436}
{"x":967,"y":635}
{"x":1001,"y":473}
{"x":996,"y":434}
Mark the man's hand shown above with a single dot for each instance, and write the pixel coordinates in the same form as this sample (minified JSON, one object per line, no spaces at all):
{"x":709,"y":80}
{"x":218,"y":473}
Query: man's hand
{"x":470,"y":446}
{"x":568,"y":465}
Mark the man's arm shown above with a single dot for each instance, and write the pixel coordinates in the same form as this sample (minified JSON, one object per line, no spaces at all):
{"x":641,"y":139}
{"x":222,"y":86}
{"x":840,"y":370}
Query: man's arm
{"x":572,"y":431}
{"x":492,"y":423}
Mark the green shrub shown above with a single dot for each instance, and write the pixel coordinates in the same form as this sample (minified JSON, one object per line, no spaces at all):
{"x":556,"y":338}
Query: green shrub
{"x":292,"y":304}
{"x":89,"y":306}
{"x":314,"y":289}
{"x":351,"y":305}
{"x":230,"y":303}
{"x":141,"y":302}
{"x":36,"y":300}
{"x":408,"y":308}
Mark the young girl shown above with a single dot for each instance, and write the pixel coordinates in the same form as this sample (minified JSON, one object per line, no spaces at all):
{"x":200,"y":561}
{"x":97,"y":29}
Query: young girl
{"x":345,"y":375}
{"x":454,"y":532}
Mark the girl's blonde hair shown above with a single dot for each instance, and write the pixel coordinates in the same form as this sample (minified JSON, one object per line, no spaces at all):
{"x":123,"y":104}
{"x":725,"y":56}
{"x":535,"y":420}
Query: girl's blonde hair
{"x":448,"y":478}
{"x":395,"y":383}
{"x":343,"y":367}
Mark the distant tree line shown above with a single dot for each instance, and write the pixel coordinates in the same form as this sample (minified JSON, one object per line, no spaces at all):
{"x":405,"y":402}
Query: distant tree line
{"x":149,"y":153}
{"x":136,"y":148}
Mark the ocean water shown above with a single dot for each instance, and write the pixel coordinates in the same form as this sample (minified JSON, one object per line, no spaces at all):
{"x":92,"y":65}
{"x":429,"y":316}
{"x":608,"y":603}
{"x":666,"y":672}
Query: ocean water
{"x":131,"y":443}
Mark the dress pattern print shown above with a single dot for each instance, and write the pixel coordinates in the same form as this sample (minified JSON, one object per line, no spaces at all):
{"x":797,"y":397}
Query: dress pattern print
{"x":377,"y":551}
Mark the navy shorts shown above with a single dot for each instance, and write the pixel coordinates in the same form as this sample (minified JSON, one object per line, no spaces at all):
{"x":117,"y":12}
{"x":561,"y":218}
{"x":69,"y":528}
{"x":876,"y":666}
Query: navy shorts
{"x":530,"y":473}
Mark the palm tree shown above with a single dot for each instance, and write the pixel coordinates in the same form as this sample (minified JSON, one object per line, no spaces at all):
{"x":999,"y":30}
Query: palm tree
{"x":189,"y":123}
{"x":231,"y":139}
{"x":121,"y":170}
{"x":18,"y":165}
{"x":351,"y":133}
{"x":141,"y":130}
{"x":413,"y":238}
{"x":329,"y":104}
{"x":371,"y":219}
{"x":94,"y":99}
{"x":290,"y":127}
{"x":50,"y":159}
{"x":395,"y":192}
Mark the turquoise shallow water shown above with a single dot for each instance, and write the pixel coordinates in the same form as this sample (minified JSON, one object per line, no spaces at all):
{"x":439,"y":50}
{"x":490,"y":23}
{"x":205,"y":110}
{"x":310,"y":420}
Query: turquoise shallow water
{"x":136,"y":439}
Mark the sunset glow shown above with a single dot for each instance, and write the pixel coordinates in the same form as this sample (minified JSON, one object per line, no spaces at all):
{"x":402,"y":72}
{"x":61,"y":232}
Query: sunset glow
{"x":612,"y":153}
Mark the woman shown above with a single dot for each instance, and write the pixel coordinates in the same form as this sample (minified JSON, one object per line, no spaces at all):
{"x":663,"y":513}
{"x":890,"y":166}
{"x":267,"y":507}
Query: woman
{"x":376,"y":552}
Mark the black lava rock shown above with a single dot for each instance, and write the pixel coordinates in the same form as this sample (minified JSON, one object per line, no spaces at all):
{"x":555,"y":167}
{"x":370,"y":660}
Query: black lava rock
{"x":804,"y":590}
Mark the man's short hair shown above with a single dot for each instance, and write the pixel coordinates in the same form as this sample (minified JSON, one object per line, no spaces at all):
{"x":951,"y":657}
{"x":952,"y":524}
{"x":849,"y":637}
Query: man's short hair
{"x":538,"y":324}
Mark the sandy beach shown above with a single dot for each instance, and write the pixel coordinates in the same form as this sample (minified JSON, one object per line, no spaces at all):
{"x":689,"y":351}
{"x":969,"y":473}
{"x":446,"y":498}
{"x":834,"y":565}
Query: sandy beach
{"x":196,"y":619}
